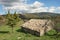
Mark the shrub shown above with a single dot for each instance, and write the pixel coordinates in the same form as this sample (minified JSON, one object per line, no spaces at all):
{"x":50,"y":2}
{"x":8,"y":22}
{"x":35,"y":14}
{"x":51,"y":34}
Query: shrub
{"x":52,"y":32}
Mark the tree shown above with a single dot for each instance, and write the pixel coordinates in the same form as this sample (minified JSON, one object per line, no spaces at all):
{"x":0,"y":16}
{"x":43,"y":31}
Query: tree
{"x":12,"y":19}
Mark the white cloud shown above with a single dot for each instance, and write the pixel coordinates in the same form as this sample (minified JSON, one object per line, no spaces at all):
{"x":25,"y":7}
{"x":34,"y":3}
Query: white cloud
{"x":37,"y":4}
{"x":58,"y":8}
{"x":52,"y":9}
{"x":22,"y":5}
{"x":18,"y":7}
{"x":40,"y":9}
{"x":8,"y":3}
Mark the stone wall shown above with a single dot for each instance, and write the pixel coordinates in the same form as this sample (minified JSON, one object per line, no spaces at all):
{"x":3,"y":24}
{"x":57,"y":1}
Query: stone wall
{"x":30,"y":31}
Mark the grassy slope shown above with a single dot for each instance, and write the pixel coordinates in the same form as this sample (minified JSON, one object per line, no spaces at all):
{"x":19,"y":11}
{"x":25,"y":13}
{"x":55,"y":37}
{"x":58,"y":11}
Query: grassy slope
{"x":7,"y":35}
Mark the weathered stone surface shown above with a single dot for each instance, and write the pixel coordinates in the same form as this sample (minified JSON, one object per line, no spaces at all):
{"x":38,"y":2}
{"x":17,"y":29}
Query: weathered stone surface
{"x":39,"y":25}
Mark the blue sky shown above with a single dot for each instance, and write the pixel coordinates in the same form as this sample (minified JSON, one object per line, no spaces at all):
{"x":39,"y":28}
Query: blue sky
{"x":30,"y":6}
{"x":47,"y":2}
{"x":51,"y":2}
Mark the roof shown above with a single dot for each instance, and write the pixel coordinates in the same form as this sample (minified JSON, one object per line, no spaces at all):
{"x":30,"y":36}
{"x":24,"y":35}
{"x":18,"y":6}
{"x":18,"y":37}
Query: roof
{"x":35,"y":24}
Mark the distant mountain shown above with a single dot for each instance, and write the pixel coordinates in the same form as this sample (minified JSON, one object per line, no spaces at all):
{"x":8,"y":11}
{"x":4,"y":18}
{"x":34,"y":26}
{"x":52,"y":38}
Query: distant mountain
{"x":39,"y":15}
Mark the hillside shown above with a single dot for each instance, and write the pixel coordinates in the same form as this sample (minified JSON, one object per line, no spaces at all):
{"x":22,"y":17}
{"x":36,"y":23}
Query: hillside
{"x":39,"y":15}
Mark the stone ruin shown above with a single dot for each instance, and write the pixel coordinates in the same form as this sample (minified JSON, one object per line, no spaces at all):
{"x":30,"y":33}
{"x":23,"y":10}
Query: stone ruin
{"x":38,"y":26}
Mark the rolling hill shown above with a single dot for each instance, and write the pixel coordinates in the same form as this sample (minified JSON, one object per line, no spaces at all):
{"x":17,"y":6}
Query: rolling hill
{"x":38,"y":15}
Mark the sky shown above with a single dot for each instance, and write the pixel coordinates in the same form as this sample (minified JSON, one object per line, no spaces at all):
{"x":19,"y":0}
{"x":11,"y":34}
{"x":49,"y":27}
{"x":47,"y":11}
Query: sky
{"x":29,"y":6}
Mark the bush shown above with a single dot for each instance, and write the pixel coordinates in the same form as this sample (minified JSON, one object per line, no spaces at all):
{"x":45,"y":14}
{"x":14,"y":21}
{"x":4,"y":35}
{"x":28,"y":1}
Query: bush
{"x":52,"y":32}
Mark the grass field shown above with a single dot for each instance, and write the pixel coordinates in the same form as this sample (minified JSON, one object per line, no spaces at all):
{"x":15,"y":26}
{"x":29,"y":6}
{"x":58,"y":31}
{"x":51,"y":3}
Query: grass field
{"x":5,"y":34}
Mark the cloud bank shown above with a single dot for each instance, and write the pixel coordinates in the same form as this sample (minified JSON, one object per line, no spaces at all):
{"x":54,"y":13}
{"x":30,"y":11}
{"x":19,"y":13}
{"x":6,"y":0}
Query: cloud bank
{"x":22,"y":6}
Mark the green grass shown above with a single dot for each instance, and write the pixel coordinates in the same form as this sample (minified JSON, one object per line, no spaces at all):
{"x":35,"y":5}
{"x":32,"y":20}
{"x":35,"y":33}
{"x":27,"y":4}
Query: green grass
{"x":7,"y":35}
{"x":58,"y":24}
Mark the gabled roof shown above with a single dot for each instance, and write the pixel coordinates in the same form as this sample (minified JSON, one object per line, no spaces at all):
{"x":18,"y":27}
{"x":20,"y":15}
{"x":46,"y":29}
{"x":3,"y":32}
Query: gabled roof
{"x":35,"y":24}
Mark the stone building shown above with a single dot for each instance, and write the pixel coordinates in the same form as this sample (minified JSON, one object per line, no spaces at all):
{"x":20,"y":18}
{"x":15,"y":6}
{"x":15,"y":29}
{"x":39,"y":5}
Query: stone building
{"x":38,"y":26}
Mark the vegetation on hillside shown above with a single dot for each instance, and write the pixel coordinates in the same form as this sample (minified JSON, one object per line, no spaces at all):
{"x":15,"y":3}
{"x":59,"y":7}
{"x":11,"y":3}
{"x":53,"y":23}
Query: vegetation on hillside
{"x":12,"y":19}
{"x":42,"y":15}
{"x":15,"y":20}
